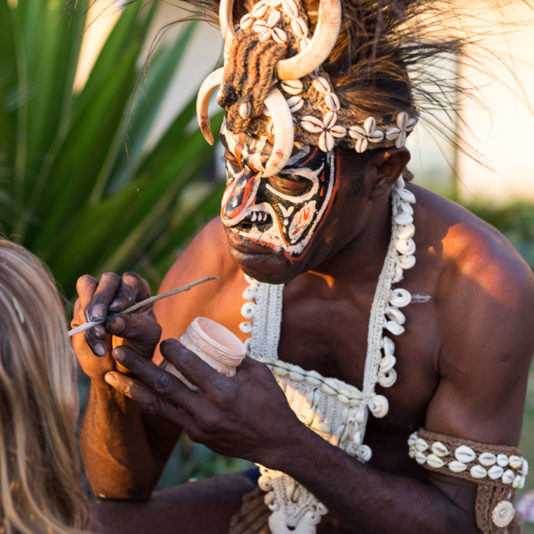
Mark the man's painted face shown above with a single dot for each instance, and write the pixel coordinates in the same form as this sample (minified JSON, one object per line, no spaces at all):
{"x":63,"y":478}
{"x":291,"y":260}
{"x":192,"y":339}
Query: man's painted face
{"x":281,"y":212}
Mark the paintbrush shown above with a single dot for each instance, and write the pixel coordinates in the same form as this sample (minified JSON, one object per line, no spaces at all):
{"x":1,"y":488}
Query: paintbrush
{"x":137,"y":305}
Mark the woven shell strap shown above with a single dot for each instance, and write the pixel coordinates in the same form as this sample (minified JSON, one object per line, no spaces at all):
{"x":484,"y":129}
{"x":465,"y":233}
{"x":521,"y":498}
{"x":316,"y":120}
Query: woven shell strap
{"x":498,"y":470}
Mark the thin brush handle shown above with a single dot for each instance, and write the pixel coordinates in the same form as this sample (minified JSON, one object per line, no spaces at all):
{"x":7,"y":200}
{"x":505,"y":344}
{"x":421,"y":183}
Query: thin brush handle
{"x":138,"y":305}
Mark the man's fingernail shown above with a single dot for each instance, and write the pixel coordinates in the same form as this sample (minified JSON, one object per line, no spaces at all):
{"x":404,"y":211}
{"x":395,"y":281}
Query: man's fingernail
{"x":118,"y":354}
{"x":100,"y":349}
{"x":99,"y":312}
{"x":110,"y":378}
{"x":117,"y":325}
{"x":115,"y":305}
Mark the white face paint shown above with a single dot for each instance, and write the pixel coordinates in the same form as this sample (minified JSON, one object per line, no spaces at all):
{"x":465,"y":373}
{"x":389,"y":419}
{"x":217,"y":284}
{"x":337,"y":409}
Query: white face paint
{"x":282,"y":212}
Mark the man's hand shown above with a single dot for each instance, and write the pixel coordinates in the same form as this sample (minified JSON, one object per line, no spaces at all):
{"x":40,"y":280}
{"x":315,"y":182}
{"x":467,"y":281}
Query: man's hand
{"x":139,"y":331}
{"x":245,"y":416}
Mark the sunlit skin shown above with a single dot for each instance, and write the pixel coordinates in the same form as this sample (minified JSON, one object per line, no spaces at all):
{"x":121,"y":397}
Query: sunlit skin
{"x":462,"y":367}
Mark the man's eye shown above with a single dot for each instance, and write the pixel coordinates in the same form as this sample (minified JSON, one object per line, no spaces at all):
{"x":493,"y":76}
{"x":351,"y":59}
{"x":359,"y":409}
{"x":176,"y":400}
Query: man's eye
{"x":289,"y":186}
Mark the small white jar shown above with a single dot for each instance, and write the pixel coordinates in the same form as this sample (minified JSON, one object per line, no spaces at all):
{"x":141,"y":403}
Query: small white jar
{"x":214,"y":344}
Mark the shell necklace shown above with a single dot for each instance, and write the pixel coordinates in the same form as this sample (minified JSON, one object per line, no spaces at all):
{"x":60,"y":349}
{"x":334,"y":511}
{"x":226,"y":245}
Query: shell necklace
{"x":337,"y":411}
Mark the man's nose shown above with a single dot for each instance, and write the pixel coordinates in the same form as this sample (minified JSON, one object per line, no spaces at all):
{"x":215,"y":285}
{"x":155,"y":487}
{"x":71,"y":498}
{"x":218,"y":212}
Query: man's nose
{"x":239,"y":196}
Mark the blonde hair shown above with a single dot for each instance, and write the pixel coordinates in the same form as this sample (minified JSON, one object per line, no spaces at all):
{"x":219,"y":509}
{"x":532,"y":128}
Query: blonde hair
{"x":39,"y":461}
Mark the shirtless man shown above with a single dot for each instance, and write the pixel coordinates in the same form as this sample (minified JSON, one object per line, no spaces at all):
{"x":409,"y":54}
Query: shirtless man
{"x":409,"y":417}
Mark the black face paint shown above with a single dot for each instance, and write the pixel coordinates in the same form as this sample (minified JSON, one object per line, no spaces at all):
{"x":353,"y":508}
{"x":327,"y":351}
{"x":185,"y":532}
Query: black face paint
{"x":282,"y":212}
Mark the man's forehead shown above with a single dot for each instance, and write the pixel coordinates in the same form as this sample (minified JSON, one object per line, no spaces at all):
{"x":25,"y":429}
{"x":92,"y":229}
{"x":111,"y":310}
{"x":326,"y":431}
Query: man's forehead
{"x":245,"y":144}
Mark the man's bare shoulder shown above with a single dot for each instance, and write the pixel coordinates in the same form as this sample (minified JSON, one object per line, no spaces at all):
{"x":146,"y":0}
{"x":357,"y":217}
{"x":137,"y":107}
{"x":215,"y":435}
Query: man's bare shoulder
{"x":484,"y":298}
{"x":470,"y":250}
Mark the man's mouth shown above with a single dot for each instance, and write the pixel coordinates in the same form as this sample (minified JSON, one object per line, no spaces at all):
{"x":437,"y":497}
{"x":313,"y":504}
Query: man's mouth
{"x":251,"y":251}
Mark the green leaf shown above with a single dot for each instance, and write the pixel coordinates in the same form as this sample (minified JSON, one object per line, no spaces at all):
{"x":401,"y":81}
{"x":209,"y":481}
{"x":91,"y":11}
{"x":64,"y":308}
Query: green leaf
{"x":149,"y":95}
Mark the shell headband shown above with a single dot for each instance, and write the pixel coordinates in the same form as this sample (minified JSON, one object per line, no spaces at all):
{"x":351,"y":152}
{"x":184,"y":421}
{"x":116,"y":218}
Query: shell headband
{"x":273,"y":84}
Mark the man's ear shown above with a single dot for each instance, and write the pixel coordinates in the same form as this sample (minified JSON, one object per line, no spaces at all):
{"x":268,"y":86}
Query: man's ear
{"x":384,"y":168}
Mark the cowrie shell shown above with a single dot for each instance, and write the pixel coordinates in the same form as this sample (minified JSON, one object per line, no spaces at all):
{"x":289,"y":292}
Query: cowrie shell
{"x":342,"y":398}
{"x":421,"y":445}
{"x":465,"y":454}
{"x":406,"y":195}
{"x":420,"y":458}
{"x":395,"y":328}
{"x":395,"y":314}
{"x":297,"y":377}
{"x":300,"y":28}
{"x":322,"y":427}
{"x":313,"y":381}
{"x":279,"y":35}
{"x":403,"y":219}
{"x":326,"y":142}
{"x":290,"y":7}
{"x":281,"y":371}
{"x":477,"y":471}
{"x":434,"y":461}
{"x":312,"y":124}
{"x":332,"y":101}
{"x":321,"y":85}
{"x":295,"y":103}
{"x":246,"y":21}
{"x":387,"y":363}
{"x":328,"y":389}
{"x":517,"y":481}
{"x":412,"y":439}
{"x":379,"y":406}
{"x":495,"y":472}
{"x":439,"y":449}
{"x":406,"y":232}
{"x":259,"y":10}
{"x":508,"y":476}
{"x":515,"y":462}
{"x":502,"y":460}
{"x":487,"y":458}
{"x":245,"y":109}
{"x":457,"y":467}
{"x":388,"y":345}
{"x":524,"y":467}
{"x":292,"y":87}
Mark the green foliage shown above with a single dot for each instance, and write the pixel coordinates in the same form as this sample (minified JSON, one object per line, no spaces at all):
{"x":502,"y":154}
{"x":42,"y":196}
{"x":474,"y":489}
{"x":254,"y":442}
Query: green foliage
{"x":77,"y":184}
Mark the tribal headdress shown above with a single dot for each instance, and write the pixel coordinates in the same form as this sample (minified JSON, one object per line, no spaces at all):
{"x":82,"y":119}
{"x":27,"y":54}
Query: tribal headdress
{"x":287,"y":76}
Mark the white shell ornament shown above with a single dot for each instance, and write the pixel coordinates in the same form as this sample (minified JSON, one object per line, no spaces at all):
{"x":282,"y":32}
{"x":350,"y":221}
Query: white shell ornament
{"x":379,"y":406}
{"x":487,"y":458}
{"x":435,"y":461}
{"x":465,"y":454}
{"x":495,"y":472}
{"x":477,"y":471}
{"x":457,"y":467}
{"x":439,"y":449}
{"x":508,"y":476}
{"x":503,"y":514}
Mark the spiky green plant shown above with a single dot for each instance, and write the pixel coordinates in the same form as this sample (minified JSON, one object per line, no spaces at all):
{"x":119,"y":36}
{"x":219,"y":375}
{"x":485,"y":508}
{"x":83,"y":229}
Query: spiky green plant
{"x":77,"y":185}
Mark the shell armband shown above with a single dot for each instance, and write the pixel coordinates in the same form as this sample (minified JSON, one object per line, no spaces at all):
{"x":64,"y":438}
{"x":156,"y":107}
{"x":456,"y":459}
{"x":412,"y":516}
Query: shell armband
{"x":498,"y":470}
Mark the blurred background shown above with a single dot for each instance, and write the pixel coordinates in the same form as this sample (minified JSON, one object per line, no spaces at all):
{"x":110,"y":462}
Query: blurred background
{"x":102,"y":166}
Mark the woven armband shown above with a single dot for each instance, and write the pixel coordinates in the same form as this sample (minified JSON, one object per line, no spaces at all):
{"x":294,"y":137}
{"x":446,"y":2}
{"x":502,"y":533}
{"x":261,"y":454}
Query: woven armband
{"x":498,"y":470}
